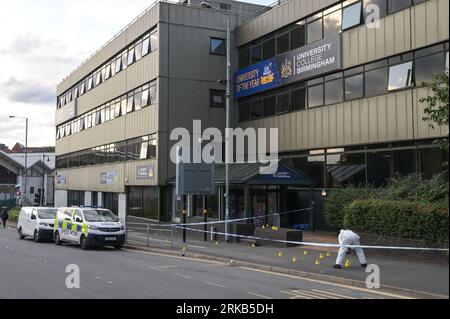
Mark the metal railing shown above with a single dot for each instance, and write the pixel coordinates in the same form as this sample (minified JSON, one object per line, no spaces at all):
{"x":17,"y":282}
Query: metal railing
{"x":137,"y":228}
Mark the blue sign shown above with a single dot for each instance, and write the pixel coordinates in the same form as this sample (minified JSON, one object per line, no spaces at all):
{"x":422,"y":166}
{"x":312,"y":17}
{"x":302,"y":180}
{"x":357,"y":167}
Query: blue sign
{"x":283,"y":176}
{"x":314,"y":59}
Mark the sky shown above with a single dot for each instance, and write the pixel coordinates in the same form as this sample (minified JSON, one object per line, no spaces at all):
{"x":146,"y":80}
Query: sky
{"x":41,"y":43}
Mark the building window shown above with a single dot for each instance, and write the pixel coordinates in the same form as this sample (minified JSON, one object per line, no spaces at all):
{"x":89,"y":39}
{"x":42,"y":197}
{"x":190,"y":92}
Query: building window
{"x":283,"y":43}
{"x":428,"y":66}
{"x":269,"y":49}
{"x":298,"y":99}
{"x":256,"y":109}
{"x":218,"y":46}
{"x":130,"y":56}
{"x":314,"y":31}
{"x":354,"y":87}
{"x":334,"y":91}
{"x":256,"y":54}
{"x":225,"y":6}
{"x":315,"y":95}
{"x":400,"y":76}
{"x":283,"y":103}
{"x":216,"y":98}
{"x":153,"y":92}
{"x":351,"y":16}
{"x":298,"y":36}
{"x":376,"y":82}
{"x":244,"y":58}
{"x":381,"y":4}
{"x":154,"y":40}
{"x":332,"y":23}
{"x":269,"y":105}
{"x":397,"y":5}
{"x":244,"y":111}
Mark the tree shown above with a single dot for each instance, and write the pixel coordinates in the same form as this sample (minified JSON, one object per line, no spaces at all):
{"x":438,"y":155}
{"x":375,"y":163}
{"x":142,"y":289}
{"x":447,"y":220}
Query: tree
{"x":436,"y":112}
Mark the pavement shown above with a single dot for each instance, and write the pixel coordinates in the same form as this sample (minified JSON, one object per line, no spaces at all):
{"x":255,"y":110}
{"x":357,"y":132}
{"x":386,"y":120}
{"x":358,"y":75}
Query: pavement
{"x":420,"y":278}
{"x":39,"y":270}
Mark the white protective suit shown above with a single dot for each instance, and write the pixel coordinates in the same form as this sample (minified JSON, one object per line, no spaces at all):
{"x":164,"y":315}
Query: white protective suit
{"x":347,"y":237}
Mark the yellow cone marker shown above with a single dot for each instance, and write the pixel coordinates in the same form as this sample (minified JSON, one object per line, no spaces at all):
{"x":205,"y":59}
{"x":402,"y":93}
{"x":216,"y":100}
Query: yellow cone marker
{"x":347,"y":263}
{"x":328,"y":254}
{"x":322,"y":256}
{"x":217,"y":243}
{"x":280,"y":254}
{"x":253,"y":245}
{"x":294,"y":259}
{"x":317,"y":262}
{"x":305,"y":252}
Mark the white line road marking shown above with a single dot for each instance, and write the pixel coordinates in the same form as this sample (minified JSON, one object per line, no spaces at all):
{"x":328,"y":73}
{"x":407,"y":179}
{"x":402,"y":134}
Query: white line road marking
{"x":173,"y":256}
{"x":296,"y":295}
{"x":258,"y":295}
{"x":370,"y":291}
{"x":215,"y":284}
{"x":182,"y":276}
{"x":316,"y":294}
{"x":333,"y":294}
{"x":195,"y":246}
{"x":161,"y":268}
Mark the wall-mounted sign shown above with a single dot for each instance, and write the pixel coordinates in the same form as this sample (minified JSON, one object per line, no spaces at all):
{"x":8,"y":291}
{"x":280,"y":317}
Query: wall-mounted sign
{"x":108,"y":177}
{"x":145,"y":172}
{"x":300,"y":64}
{"x":60,"y":179}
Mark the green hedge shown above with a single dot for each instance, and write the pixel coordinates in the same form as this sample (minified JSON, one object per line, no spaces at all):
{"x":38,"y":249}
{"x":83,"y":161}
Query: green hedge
{"x":338,"y":199}
{"x":402,"y":219}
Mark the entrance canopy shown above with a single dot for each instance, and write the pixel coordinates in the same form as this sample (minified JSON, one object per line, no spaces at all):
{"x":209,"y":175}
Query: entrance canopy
{"x":250,"y":174}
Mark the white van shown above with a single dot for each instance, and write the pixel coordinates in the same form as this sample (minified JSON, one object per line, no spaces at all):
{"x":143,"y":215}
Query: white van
{"x":36,"y":222}
{"x":88,"y":227}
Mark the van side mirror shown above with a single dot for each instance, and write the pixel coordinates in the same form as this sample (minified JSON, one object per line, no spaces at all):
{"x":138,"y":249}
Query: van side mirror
{"x":78,"y":220}
{"x":33,"y":217}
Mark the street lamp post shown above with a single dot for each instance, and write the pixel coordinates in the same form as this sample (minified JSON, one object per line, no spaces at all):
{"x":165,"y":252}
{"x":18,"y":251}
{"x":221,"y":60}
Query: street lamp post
{"x":26,"y":155}
{"x":206,"y":5}
{"x":44,"y":174}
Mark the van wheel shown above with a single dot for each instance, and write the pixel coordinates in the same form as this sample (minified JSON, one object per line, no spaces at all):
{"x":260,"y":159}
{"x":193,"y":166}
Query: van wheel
{"x":57,"y":239}
{"x":36,"y":237}
{"x":83,"y":243}
{"x":118,"y":247}
{"x":21,"y":236}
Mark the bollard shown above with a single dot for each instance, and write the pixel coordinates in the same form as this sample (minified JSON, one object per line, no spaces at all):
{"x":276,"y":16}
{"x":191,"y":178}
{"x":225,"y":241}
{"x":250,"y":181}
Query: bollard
{"x":148,"y":235}
{"x":205,"y":226}
{"x":184,"y":225}
{"x":213,"y":234}
{"x":171,"y":235}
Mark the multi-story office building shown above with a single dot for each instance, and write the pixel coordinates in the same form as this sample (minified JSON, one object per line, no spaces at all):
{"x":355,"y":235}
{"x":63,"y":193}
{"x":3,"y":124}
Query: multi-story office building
{"x":116,"y":111}
{"x":341,"y":80}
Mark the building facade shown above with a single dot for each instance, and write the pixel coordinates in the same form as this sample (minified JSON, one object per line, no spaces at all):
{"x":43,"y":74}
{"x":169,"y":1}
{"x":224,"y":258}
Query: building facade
{"x":342,"y":85}
{"x":40,"y":176}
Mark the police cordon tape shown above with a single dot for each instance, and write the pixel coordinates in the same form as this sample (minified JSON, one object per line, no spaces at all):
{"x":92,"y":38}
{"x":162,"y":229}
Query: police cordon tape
{"x":314,"y":244}
{"x":226,"y":221}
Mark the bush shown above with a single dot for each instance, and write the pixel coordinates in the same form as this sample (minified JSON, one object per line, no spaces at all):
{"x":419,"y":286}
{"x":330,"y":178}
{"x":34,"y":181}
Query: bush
{"x":338,"y":199}
{"x":13,"y":213}
{"x":409,"y":188}
{"x":402,"y":219}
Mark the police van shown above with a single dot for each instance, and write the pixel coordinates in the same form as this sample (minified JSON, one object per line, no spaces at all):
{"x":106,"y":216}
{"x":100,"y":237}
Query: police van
{"x":36,"y":222}
{"x":88,"y":226}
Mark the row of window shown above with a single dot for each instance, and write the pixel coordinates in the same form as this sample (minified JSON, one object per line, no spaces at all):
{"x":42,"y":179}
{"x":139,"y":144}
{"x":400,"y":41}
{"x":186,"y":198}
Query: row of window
{"x":381,"y":77}
{"x":139,"y":148}
{"x":132,"y":101}
{"x":135,"y":52}
{"x":368,"y":165}
{"x":343,"y":16}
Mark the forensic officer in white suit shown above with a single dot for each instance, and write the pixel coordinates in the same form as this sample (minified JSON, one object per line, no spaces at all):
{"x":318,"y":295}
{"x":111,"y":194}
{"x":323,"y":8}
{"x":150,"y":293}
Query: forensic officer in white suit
{"x":347,"y":237}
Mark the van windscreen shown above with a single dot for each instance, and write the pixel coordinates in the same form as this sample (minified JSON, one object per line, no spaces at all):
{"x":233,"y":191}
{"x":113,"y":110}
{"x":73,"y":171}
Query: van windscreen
{"x":99,"y":215}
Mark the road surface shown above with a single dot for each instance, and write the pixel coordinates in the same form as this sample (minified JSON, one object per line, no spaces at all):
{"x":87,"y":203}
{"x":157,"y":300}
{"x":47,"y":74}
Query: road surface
{"x":38,"y":270}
